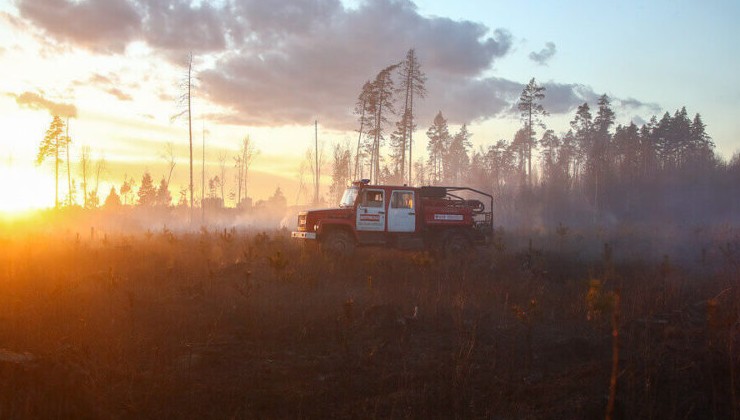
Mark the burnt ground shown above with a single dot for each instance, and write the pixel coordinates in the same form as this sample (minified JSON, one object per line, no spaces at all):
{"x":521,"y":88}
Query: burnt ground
{"x":252,"y":325}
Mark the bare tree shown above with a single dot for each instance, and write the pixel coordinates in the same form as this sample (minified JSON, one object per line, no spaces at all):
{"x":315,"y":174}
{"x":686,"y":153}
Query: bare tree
{"x":100,"y":167}
{"x":203,"y":175}
{"x":67,"y":141}
{"x":363,"y":110}
{"x":246,"y":155}
{"x":222,"y":173}
{"x":185,"y":101}
{"x":317,"y":168}
{"x":239,"y":166}
{"x":301,"y":182}
{"x":315,"y":161}
{"x":341,"y":171}
{"x":84,"y":169}
{"x":169,"y":157}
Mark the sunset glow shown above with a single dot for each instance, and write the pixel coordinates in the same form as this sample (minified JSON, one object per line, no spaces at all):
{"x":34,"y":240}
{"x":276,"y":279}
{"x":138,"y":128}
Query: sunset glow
{"x":118,"y":73}
{"x":369,"y":209}
{"x":26,"y":189}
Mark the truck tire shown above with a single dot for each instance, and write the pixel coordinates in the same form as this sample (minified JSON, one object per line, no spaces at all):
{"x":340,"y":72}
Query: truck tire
{"x":456,"y":244}
{"x":338,"y":243}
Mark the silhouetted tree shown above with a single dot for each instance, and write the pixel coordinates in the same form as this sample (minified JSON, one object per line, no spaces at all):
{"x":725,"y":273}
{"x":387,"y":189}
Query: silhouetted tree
{"x":499,"y":165}
{"x":185,"y":101}
{"x":127,"y":189}
{"x":412,"y":84}
{"x":147,"y":192}
{"x":314,"y":161}
{"x":439,"y":141}
{"x":169,"y":156}
{"x":163,"y":197}
{"x":71,"y":193}
{"x":532,"y":112}
{"x":550,"y":144}
{"x":582,"y":127}
{"x":84,"y":169}
{"x":381,"y":103}
{"x":53,"y":145}
{"x":243,"y":161}
{"x":701,"y":148}
{"x":101,"y":166}
{"x":341,"y":172}
{"x":520,"y":147}
{"x":364,"y":109}
{"x":600,"y":152}
{"x":222,"y":175}
{"x":456,"y":159}
{"x":112,"y":200}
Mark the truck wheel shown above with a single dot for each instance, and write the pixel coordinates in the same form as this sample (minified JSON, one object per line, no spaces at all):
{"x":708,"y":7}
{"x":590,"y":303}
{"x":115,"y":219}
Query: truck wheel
{"x":456,"y":245}
{"x":338,"y":243}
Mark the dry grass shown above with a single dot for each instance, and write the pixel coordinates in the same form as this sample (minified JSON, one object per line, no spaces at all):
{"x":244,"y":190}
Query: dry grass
{"x":233,"y":324}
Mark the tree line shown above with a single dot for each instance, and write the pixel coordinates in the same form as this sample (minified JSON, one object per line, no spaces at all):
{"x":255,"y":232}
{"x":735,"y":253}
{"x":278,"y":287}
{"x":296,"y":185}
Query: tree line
{"x":55,"y":146}
{"x":598,"y":170}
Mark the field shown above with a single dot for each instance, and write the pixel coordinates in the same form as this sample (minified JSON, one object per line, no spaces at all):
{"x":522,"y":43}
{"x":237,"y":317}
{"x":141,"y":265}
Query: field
{"x":249,"y":324}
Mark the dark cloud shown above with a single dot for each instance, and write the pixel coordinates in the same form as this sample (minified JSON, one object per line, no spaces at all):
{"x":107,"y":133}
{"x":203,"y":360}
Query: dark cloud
{"x":36,"y":101}
{"x":178,"y":26}
{"x":464,"y":101}
{"x":288,"y":62}
{"x":317,"y":70}
{"x":264,"y":22}
{"x":544,"y":55}
{"x":285,"y":61}
{"x":101,"y":25}
{"x":562,"y":98}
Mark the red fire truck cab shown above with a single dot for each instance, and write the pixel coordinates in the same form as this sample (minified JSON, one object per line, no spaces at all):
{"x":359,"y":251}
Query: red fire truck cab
{"x":445,"y":219}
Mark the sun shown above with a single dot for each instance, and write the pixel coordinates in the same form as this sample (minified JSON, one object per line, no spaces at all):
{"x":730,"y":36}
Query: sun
{"x":24,"y":188}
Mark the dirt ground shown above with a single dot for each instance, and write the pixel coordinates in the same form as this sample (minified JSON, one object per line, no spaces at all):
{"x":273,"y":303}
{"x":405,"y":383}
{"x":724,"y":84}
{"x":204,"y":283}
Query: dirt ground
{"x":227,"y":324}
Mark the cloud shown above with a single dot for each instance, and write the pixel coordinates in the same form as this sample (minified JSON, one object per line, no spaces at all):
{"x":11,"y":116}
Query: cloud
{"x":35,"y":101}
{"x":288,"y":62}
{"x":109,"y":84}
{"x":463,"y":101}
{"x":562,"y":98}
{"x":638,"y":120}
{"x":118,"y":93}
{"x":179,"y":26}
{"x":317,"y":71}
{"x":545,"y":54}
{"x":100,"y":25}
{"x":632,"y":103}
{"x":285,"y":61}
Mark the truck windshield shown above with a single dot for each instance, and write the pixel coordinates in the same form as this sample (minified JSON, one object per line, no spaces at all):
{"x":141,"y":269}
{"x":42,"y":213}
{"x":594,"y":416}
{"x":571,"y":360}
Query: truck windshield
{"x":348,"y":198}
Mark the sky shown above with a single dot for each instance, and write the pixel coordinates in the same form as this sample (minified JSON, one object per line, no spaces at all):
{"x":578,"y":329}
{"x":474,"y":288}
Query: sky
{"x":270,"y":69}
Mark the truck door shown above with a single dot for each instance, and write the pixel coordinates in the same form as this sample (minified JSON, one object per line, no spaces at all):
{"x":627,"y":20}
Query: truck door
{"x":371,"y":210}
{"x":402,"y":211}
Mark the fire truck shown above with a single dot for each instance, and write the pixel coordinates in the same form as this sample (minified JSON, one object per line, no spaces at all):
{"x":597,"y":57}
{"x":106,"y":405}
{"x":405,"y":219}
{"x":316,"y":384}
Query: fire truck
{"x":444,"y":220}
